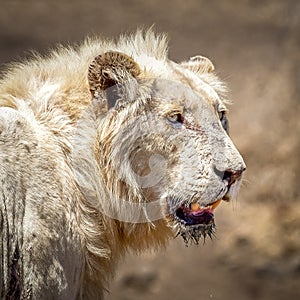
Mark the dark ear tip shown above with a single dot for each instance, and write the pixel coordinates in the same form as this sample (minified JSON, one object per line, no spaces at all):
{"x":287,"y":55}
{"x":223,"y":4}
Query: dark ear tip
{"x":104,"y":71}
{"x":120,"y":60}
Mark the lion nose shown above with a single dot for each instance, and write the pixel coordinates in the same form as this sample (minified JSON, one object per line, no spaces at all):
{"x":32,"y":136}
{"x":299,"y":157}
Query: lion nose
{"x":231,"y":176}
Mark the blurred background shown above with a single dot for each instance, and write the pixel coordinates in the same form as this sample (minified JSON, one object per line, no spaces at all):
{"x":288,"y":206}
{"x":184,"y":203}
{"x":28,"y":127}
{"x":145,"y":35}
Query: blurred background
{"x":255,"y":47}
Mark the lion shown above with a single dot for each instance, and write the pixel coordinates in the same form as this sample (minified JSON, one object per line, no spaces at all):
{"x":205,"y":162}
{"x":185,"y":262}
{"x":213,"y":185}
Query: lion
{"x":105,"y":148}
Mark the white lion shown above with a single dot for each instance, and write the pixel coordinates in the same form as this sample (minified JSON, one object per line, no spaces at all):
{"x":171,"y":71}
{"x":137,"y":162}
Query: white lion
{"x":107,"y":147}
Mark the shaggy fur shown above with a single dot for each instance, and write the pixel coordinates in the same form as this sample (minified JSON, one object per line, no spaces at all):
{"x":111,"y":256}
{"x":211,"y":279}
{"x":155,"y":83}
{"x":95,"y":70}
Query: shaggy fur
{"x":99,"y":146}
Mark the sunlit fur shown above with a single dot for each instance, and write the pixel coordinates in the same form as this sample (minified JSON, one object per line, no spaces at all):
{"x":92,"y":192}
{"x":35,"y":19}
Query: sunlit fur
{"x":60,"y":169}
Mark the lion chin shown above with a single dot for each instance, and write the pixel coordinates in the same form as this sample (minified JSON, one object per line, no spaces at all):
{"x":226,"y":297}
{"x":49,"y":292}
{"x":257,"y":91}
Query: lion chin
{"x":193,"y":222}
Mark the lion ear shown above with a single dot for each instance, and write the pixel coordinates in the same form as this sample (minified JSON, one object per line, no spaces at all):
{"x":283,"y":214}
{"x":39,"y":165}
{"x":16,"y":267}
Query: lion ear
{"x":109,"y":71}
{"x":199,"y":64}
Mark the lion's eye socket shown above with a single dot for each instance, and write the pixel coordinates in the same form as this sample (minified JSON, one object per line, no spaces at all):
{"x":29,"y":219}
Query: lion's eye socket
{"x":175,"y":118}
{"x":224,"y":120}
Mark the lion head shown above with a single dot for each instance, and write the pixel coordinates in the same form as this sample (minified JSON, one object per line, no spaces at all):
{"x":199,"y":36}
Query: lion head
{"x":163,"y":145}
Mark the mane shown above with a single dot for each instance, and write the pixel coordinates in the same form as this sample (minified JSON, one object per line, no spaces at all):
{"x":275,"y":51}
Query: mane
{"x":63,"y":61}
{"x":59,"y":79}
{"x":144,"y":43}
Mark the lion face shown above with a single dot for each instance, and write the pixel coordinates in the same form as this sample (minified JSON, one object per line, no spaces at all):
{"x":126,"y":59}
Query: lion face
{"x":206,"y":167}
{"x":166,"y":139}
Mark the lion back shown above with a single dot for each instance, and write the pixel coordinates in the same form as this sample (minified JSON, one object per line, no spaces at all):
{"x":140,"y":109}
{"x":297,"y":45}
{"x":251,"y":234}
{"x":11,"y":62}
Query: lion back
{"x":36,"y":227}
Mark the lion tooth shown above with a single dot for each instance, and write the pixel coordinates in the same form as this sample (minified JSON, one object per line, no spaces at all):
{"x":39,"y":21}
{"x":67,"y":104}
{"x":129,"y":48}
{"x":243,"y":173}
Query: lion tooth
{"x":195,"y":206}
{"x":214,"y":205}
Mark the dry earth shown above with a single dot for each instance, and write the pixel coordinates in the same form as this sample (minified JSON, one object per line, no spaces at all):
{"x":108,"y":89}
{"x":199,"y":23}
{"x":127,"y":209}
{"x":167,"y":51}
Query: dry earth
{"x":255,"y":47}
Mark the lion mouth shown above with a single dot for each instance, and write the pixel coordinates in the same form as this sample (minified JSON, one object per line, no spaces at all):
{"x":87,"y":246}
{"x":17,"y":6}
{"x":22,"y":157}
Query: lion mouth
{"x":195,"y":221}
{"x":194,"y":214}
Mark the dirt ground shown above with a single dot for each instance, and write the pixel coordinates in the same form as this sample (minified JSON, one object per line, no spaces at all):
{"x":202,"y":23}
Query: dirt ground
{"x":255,"y":46}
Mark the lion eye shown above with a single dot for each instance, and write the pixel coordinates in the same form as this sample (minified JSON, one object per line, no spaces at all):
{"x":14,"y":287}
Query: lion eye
{"x":175,"y":118}
{"x":224,"y":120}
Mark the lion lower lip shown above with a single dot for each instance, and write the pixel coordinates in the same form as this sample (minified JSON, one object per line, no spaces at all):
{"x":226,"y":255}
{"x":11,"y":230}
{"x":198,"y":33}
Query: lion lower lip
{"x":187,"y":218}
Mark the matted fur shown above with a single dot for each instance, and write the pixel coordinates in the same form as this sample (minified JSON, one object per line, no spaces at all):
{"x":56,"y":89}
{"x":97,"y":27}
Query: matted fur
{"x":63,"y":178}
